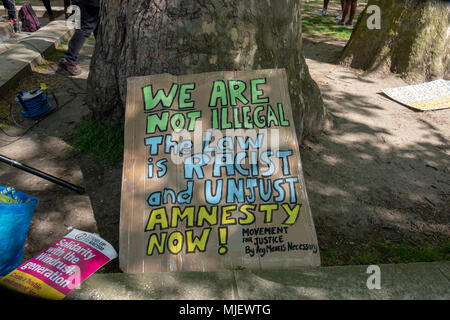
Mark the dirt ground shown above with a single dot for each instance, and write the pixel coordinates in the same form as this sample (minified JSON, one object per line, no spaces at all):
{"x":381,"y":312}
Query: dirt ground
{"x":380,"y":172}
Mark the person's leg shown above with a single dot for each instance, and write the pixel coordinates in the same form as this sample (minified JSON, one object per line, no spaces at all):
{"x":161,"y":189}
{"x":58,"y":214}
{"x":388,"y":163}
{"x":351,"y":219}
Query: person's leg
{"x":48,"y":7}
{"x":345,"y":11}
{"x":339,"y":17}
{"x":353,"y":6}
{"x":10,"y":6}
{"x":323,"y":12}
{"x":89,"y":22}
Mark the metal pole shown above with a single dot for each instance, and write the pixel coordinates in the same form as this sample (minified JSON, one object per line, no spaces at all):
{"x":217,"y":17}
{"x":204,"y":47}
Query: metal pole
{"x":41,"y":174}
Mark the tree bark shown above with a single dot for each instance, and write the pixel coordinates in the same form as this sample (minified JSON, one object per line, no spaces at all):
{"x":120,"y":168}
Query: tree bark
{"x":414,"y":40}
{"x":143,"y":37}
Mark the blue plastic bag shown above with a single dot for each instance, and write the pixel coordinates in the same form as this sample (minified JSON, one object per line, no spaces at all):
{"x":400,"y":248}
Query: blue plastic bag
{"x":15,"y":218}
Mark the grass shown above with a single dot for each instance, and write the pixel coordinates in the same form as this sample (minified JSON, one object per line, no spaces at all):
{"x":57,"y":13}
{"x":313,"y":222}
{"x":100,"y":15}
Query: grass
{"x":103,"y":142}
{"x":314,"y":25}
{"x":384,"y":253}
{"x":58,"y":54}
{"x":51,"y":61}
{"x":4,"y":126}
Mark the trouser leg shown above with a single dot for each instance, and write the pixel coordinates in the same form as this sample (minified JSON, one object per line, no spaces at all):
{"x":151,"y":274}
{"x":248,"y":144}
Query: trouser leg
{"x":10,"y":6}
{"x":48,"y":7}
{"x":89,"y":22}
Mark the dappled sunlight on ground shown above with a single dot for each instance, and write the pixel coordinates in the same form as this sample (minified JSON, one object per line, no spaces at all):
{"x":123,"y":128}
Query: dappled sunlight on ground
{"x":389,"y":162}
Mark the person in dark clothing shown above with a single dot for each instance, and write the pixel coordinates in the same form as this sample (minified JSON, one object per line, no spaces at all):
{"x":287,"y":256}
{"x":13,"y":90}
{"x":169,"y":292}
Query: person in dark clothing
{"x":48,"y":7}
{"x":90,"y":10}
{"x":10,"y":6}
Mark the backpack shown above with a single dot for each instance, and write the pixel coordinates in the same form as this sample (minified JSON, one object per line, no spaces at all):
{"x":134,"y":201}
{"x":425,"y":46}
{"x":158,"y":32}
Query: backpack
{"x":28,"y":18}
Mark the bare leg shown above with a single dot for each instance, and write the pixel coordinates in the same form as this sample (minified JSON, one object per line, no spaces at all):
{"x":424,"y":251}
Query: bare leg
{"x":323,"y":12}
{"x":345,"y":9}
{"x":352,"y":10}
{"x":342,"y":9}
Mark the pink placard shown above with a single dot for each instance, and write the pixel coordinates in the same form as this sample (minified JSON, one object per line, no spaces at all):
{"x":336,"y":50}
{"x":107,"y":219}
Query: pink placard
{"x":68,"y":262}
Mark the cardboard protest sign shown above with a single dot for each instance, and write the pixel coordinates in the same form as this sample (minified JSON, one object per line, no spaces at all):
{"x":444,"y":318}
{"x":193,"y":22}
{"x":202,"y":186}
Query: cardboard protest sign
{"x":433,"y":95}
{"x":59,"y":269}
{"x":212,"y":177}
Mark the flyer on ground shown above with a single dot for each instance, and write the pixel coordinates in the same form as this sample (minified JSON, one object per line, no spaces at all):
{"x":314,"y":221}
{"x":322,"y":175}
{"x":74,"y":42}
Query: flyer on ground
{"x":62,"y":267}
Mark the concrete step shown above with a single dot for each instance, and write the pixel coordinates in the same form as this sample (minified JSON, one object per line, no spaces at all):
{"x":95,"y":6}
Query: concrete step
{"x":397,"y":281}
{"x":17,"y":62}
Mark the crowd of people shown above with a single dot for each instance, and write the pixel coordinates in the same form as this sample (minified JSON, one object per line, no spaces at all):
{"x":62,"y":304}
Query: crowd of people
{"x":348,"y":10}
{"x":89,"y":16}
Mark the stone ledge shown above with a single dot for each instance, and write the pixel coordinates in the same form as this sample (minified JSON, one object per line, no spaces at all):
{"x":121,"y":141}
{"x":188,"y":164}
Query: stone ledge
{"x":17,"y":62}
{"x":399,"y":281}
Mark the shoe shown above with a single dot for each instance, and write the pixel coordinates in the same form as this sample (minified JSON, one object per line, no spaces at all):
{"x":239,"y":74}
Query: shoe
{"x":14,"y":24}
{"x":340,"y":23}
{"x":74,"y":70}
{"x":322,"y":13}
{"x":349,"y":24}
{"x":51,"y":18}
{"x":339,"y":17}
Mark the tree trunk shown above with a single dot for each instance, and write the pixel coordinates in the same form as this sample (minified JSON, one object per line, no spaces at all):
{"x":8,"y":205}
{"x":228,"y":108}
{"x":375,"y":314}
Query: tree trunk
{"x":414,"y":40}
{"x":144,"y":37}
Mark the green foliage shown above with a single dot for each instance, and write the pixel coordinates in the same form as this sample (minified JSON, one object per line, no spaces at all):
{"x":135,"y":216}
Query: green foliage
{"x":312,"y":24}
{"x":4,"y":126}
{"x":332,"y":257}
{"x":58,"y":53}
{"x":51,"y":60}
{"x":405,"y":253}
{"x":382,"y":253}
{"x":102,"y":270}
{"x":103,"y":142}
